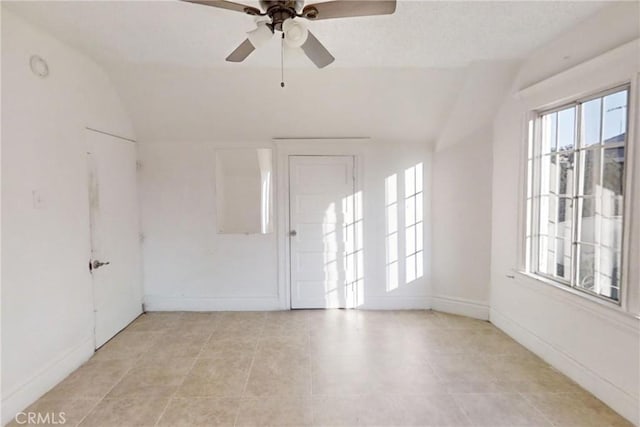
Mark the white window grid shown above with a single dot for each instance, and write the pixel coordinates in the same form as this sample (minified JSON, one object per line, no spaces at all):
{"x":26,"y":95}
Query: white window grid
{"x":534,"y":178}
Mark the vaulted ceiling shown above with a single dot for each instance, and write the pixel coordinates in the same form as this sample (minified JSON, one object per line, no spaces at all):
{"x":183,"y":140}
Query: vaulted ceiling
{"x":396,"y":77}
{"x":420,"y":33}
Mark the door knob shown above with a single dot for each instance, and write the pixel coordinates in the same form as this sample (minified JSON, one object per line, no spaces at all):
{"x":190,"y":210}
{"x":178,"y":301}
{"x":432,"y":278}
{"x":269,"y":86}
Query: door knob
{"x":293,"y":233}
{"x":97,"y":264}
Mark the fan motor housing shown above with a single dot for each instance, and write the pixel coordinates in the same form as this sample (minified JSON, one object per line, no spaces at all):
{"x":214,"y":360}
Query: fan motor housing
{"x":286,"y":4}
{"x":281,"y":10}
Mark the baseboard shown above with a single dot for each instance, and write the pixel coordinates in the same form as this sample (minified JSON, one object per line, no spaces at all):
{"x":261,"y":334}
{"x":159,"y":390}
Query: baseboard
{"x":395,"y":303}
{"x":33,"y":388}
{"x":463,"y":307}
{"x":619,"y":400}
{"x":161,"y":303}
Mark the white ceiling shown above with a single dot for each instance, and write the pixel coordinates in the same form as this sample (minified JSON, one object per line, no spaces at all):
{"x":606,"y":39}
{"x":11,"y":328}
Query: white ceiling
{"x":177,"y":104}
{"x":395,"y":78}
{"x":420,"y":34}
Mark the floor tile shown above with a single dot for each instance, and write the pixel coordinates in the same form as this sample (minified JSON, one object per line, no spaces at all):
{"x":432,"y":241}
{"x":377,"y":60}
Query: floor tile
{"x":125,"y":412}
{"x":158,"y":378}
{"x":55,"y":412}
{"x":92,"y":380}
{"x":279,"y":377}
{"x":200,"y":412}
{"x":333,"y":411}
{"x":319,"y":367}
{"x":499,"y":409}
{"x":216,"y":378}
{"x":274,"y":411}
{"x":575,"y":410}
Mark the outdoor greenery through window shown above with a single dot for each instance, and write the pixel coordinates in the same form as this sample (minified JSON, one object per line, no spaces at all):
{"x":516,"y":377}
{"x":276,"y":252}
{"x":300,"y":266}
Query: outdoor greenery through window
{"x":575,"y":194}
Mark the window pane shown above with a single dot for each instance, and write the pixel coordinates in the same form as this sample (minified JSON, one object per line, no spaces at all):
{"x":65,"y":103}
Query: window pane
{"x":566,"y":128}
{"x":545,"y":173}
{"x":589,"y":223}
{"x":609,"y":273}
{"x":586,"y":263}
{"x":419,"y":205}
{"x":565,"y":163}
{"x":565,"y":218}
{"x":551,"y":217}
{"x":543,"y":252}
{"x":591,"y":116}
{"x":553,"y":174}
{"x":613,"y":171}
{"x":577,"y":174}
{"x":546,"y":206}
{"x":549,"y":128}
{"x":611,"y":232}
{"x":419,"y":237}
{"x":563,"y":258}
{"x":590,"y":175}
{"x":614,"y":120}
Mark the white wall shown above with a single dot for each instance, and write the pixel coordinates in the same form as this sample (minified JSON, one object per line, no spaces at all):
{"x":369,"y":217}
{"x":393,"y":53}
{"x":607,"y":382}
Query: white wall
{"x":462,"y":163}
{"x":189,"y":266}
{"x":47,"y":309}
{"x":462,"y":226}
{"x":186,"y":263}
{"x":596,"y":345}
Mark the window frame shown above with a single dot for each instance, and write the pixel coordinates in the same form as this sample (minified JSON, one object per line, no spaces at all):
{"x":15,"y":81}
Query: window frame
{"x":533,"y":178}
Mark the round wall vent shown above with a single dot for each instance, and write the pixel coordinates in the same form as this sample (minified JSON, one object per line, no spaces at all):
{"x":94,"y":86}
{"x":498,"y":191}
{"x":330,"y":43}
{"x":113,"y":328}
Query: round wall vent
{"x":39,"y":66}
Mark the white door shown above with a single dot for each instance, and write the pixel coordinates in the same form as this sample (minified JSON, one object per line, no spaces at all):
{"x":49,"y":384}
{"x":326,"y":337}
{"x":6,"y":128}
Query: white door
{"x":115,"y":235}
{"x":321,"y":203}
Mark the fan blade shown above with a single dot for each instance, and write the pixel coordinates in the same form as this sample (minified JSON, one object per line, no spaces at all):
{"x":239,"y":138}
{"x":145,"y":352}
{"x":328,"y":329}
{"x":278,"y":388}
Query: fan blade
{"x":348,"y":9}
{"x":316,"y":52}
{"x":241,"y":52}
{"x":250,"y":10}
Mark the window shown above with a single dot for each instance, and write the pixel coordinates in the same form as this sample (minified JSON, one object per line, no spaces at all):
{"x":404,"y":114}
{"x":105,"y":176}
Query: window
{"x":575,"y":193}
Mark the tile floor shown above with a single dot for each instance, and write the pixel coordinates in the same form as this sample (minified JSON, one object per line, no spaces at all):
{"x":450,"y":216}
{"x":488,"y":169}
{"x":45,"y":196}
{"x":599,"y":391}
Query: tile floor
{"x":331,"y":368}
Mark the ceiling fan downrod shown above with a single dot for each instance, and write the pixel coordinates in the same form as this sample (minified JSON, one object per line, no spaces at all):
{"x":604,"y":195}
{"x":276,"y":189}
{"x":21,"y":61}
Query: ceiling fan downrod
{"x":282,"y":61}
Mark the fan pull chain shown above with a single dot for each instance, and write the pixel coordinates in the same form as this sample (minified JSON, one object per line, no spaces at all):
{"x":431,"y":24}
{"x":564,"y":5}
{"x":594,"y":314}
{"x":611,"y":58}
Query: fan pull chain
{"x":282,"y":61}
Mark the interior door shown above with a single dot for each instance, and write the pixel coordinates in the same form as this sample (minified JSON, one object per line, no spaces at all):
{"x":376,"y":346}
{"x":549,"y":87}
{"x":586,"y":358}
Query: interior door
{"x":115,"y":243}
{"x":321,"y":201}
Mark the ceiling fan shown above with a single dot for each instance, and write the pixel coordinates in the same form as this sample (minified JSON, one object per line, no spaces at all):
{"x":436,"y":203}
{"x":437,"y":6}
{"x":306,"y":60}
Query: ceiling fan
{"x":280,"y":15}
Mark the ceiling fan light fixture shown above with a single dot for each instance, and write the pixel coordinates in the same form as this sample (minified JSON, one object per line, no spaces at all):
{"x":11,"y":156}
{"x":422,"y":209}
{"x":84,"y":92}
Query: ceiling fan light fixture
{"x":261,"y":35}
{"x":295,"y":33}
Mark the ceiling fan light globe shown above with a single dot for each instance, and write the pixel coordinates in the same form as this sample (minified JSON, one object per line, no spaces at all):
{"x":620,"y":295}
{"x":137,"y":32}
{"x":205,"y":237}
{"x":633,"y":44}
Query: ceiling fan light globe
{"x":295,"y":33}
{"x":260,"y":36}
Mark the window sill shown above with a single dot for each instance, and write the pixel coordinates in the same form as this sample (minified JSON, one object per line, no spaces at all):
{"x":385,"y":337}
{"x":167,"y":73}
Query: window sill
{"x":608,"y":310}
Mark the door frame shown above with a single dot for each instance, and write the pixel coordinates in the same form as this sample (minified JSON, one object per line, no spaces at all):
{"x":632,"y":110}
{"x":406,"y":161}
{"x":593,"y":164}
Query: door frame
{"x":284,"y":148}
{"x":91,"y":171}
